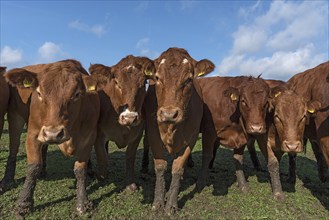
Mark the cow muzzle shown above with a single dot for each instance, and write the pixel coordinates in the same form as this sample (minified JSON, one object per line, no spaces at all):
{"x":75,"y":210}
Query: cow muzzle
{"x":292,"y":146}
{"x":53,"y":134}
{"x":128,"y":118}
{"x":171,"y":115}
{"x":256,"y":129}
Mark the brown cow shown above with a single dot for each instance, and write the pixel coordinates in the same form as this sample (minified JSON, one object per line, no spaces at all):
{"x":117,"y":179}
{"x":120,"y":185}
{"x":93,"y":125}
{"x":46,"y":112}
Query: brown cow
{"x":173,"y":116}
{"x":122,"y":97}
{"x":62,"y":111}
{"x":234,"y":107}
{"x":287,"y":120}
{"x":18,"y":113}
{"x":4,"y":97}
{"x":313,"y":84}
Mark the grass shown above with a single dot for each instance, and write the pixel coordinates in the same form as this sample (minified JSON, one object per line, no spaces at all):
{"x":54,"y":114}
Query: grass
{"x":221,"y":199}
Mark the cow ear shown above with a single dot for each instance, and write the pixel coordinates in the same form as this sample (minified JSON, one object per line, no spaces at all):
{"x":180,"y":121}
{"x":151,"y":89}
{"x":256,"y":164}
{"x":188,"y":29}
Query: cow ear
{"x":313,"y":106}
{"x":203,"y":67}
{"x":232,"y":93}
{"x":148,"y":67}
{"x":22,"y":79}
{"x":90,"y":83}
{"x":99,"y":69}
{"x":276,"y":91}
{"x":2,"y":69}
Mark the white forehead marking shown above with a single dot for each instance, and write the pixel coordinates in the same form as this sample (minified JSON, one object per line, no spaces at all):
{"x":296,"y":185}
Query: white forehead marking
{"x":162,"y":61}
{"x":185,"y":60}
{"x":130,"y":66}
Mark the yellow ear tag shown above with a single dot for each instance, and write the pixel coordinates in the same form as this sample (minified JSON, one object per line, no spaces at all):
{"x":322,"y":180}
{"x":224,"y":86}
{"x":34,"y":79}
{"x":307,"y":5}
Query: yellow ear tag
{"x":148,"y":72}
{"x":201,"y":74}
{"x":91,"y":88}
{"x":234,"y":97}
{"x":277,"y":94}
{"x":27,"y":83}
{"x":312,"y":110}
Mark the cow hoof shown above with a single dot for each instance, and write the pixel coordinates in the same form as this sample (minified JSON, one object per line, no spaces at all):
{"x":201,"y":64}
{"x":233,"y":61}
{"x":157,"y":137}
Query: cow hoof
{"x":5,"y":185}
{"x":131,"y":188}
{"x":200,"y":185}
{"x":84,"y":207}
{"x":171,"y":210}
{"x":279,"y":196}
{"x":23,"y":208}
{"x":157,"y":206}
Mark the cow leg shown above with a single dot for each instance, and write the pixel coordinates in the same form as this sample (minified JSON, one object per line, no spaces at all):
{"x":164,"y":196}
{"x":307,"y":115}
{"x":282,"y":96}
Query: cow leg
{"x":15,"y":127}
{"x":43,"y":172}
{"x":25,"y":200}
{"x":273,"y":169}
{"x":292,"y":168}
{"x":101,"y":156}
{"x":253,"y":154}
{"x":208,"y":140}
{"x":80,"y":172}
{"x":322,"y":167}
{"x":146,"y":150}
{"x":160,"y":166}
{"x":216,"y":146}
{"x":176,"y":175}
{"x":238,"y":162}
{"x":130,"y":164}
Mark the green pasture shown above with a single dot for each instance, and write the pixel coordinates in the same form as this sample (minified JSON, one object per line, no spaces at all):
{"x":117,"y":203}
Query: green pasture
{"x":55,"y":195}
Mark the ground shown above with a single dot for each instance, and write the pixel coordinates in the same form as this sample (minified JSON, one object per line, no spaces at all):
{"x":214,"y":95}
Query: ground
{"x":221,"y":199}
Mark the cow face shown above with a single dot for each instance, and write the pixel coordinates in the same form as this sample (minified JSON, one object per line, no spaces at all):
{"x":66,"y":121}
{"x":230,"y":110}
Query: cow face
{"x":56,"y":98}
{"x":124,"y":83}
{"x":252,"y":100}
{"x":175,"y":71}
{"x":291,"y":112}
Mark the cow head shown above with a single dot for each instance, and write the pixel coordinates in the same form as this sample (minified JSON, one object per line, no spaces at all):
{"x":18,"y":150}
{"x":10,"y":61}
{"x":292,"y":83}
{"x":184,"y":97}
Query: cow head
{"x":124,"y":84}
{"x":252,"y":101}
{"x":291,"y":113}
{"x":175,"y":71}
{"x":56,"y":98}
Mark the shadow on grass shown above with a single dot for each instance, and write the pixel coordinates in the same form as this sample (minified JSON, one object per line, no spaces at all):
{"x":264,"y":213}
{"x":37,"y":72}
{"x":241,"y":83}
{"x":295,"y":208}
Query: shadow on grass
{"x":308,"y":174}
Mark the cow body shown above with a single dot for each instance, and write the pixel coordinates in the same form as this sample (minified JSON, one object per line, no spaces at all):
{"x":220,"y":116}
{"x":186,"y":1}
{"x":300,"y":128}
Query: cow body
{"x":286,"y":121}
{"x":235,"y":107}
{"x":62,"y":111}
{"x":173,"y":110}
{"x":4,"y":98}
{"x":18,"y":113}
{"x":313,"y":84}
{"x":122,"y":96}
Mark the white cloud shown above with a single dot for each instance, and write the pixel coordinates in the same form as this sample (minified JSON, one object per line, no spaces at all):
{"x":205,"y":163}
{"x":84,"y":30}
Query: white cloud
{"x":50,"y":51}
{"x":142,"y":46}
{"x":11,"y":57}
{"x":246,"y":12}
{"x":288,"y":38}
{"x":98,"y":30}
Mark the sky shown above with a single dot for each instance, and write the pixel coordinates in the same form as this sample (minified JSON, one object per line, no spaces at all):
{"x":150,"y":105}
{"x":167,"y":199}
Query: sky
{"x":274,"y":38}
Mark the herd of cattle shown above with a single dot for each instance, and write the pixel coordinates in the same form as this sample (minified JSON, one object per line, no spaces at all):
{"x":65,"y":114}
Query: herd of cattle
{"x":64,"y":104}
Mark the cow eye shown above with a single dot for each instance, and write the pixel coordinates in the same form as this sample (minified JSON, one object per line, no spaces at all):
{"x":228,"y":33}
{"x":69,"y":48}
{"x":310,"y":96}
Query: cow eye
{"x":276,"y":118}
{"x":76,"y":95}
{"x":39,"y":94}
{"x":243,"y":102}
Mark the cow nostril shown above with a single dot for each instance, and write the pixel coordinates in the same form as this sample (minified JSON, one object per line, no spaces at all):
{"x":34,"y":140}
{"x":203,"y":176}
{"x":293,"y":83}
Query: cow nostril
{"x":175,"y":114}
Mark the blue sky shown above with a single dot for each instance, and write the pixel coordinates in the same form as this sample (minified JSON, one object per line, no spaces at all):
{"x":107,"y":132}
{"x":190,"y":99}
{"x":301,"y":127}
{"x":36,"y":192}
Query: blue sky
{"x":273,"y":38}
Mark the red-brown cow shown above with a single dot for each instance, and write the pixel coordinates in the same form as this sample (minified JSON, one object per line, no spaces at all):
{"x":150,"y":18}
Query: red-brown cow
{"x":122,"y":97}
{"x":287,"y":120}
{"x":173,"y":116}
{"x":4,"y":97}
{"x":313,"y":84}
{"x":62,"y":111}
{"x":234,"y":107}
